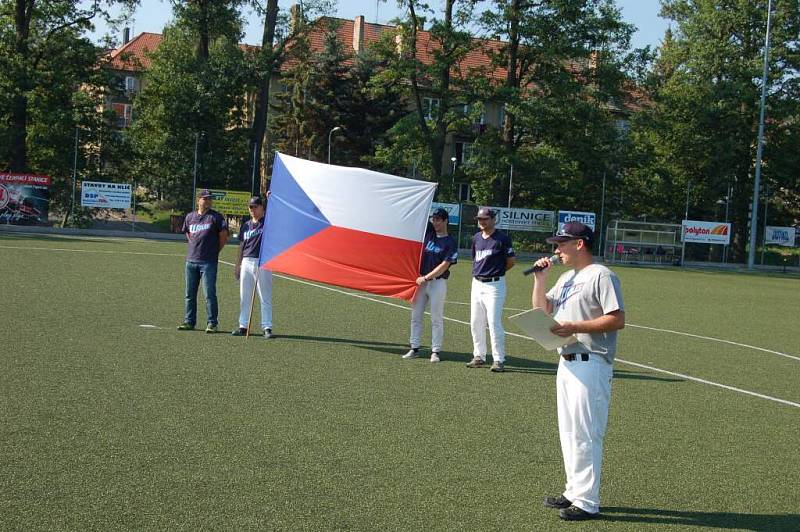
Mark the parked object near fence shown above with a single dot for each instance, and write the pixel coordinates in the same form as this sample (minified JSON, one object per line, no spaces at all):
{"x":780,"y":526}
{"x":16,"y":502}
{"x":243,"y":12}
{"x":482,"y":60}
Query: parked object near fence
{"x":642,"y":242}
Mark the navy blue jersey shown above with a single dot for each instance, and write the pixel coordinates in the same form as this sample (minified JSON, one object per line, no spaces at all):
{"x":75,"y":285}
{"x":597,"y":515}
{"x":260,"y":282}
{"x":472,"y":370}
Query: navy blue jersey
{"x":437,"y":250}
{"x":489,"y":254}
{"x":203,"y":233}
{"x":250,"y":238}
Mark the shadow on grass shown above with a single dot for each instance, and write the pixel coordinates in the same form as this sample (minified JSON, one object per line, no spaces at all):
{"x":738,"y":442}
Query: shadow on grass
{"x":705,"y":519}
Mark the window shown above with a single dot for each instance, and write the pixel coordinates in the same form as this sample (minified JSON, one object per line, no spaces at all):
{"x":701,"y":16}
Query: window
{"x":464,"y":192}
{"x":131,"y":84}
{"x":622,"y":127}
{"x":124,"y":114}
{"x":501,"y":116}
{"x":463,"y":152}
{"x":429,"y":107}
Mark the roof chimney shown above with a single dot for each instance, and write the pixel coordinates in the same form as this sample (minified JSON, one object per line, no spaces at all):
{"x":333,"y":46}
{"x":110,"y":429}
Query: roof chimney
{"x":358,"y":34}
{"x":296,"y":19}
{"x":126,"y":35}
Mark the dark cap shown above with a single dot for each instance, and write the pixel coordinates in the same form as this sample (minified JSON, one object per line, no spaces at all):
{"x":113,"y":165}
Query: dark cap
{"x":256,"y":200}
{"x":486,"y":212}
{"x":441,"y":213}
{"x":205,"y":193}
{"x":573,"y":231}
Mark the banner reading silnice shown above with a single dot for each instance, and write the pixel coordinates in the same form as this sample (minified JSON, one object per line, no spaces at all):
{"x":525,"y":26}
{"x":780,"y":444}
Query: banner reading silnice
{"x":24,"y":199}
{"x":453,"y":209}
{"x":706,"y":232}
{"x":586,"y":218}
{"x":229,"y":202}
{"x":525,"y":219}
{"x":105,"y":195}
{"x":784,"y":236}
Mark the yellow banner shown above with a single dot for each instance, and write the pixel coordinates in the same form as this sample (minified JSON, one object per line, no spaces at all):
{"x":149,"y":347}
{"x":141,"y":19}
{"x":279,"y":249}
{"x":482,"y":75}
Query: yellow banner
{"x":229,"y":202}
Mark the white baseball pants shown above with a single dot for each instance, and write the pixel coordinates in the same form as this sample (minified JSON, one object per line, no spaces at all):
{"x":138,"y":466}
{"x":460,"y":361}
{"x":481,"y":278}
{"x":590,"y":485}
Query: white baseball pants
{"x":583,"y":392}
{"x":247,"y":279}
{"x":486,"y":306}
{"x":433,"y":291}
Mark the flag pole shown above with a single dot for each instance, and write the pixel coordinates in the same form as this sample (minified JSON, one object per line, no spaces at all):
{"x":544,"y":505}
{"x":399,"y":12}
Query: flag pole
{"x":252,"y":304}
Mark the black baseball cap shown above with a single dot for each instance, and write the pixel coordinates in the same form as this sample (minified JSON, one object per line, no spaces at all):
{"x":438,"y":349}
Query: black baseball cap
{"x":256,"y":200}
{"x":486,"y":212}
{"x":205,"y":193}
{"x":441,"y":213}
{"x":573,"y":231}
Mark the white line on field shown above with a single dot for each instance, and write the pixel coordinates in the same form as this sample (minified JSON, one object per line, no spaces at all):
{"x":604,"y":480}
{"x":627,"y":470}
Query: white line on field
{"x":620,"y":360}
{"x":96,"y":251}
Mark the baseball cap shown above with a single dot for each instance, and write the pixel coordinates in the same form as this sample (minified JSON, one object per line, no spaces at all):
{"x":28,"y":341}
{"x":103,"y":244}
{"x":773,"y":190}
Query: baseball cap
{"x":486,"y":212}
{"x":572,"y":231}
{"x":256,"y":200}
{"x":441,"y":213}
{"x":205,"y":193}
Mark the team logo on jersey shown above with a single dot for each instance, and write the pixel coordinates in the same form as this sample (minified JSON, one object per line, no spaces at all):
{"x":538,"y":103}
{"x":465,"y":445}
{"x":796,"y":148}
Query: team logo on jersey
{"x":569,"y":289}
{"x":483,"y":253}
{"x":252,"y":233}
{"x":431,"y":247}
{"x":196,"y":228}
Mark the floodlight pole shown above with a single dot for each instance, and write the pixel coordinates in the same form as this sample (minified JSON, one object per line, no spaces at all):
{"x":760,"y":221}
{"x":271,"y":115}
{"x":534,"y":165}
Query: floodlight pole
{"x":194,"y":171}
{"x":74,"y":174}
{"x":751,"y":255}
{"x":602,"y":212}
{"x":510,"y":182}
{"x":764,"y":245}
{"x":253,"y":179}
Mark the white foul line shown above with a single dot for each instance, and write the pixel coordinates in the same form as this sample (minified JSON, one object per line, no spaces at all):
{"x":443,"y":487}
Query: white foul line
{"x":359,"y":296}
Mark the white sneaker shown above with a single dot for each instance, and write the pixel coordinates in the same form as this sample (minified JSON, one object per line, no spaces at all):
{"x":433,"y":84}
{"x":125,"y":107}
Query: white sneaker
{"x":412,"y":353}
{"x":434,"y":357}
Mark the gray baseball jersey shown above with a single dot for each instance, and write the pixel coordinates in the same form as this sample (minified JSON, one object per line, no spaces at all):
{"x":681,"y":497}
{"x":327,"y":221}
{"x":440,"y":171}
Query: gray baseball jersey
{"x":585,"y":295}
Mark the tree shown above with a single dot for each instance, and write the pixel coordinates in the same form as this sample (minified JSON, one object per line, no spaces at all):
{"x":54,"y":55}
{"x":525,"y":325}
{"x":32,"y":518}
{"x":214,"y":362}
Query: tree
{"x":700,"y":133}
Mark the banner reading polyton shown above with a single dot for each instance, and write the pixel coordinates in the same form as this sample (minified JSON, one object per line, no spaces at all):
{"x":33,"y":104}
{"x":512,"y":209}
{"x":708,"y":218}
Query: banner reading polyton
{"x":345,"y":226}
{"x":586,"y":218}
{"x":106,"y":195}
{"x":706,"y":232}
{"x":525,"y":219}
{"x":453,"y":210}
{"x":24,"y":198}
{"x":784,"y":236}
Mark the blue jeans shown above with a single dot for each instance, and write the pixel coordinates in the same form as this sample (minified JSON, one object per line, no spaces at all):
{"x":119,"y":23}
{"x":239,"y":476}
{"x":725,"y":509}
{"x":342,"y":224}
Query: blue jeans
{"x":194,"y":272}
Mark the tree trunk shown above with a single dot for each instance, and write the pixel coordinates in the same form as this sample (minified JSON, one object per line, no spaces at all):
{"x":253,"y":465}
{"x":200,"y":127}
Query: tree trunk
{"x":512,"y":84}
{"x":258,"y":133}
{"x":18,"y":150}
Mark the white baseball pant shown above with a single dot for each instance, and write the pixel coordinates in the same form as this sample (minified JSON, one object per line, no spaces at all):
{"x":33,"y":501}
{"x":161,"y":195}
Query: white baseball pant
{"x":486,"y":305}
{"x":583,"y":391}
{"x":247,"y":279}
{"x":434,"y":291}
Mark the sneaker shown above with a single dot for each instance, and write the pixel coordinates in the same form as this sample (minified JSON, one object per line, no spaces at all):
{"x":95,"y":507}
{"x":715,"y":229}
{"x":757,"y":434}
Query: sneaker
{"x":268,"y":333}
{"x":185,"y":326}
{"x":476,"y":363}
{"x":434,"y":357}
{"x":498,"y":367}
{"x":557,"y":502}
{"x":239,"y":331}
{"x":412,"y":353}
{"x":573,"y":513}
{"x":211,"y":328}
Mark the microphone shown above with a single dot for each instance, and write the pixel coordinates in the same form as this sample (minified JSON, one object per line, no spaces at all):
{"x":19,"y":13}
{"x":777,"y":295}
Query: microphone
{"x":553,"y":260}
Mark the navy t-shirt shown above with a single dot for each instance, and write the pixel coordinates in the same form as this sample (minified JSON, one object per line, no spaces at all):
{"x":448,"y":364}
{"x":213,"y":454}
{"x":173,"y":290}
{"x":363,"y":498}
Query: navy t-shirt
{"x":437,"y":250}
{"x":489,"y":254}
{"x":250,"y":238}
{"x":203,"y":233}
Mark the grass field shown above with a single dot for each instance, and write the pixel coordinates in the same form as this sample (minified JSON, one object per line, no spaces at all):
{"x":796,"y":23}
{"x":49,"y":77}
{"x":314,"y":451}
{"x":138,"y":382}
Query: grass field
{"x":105,"y":424}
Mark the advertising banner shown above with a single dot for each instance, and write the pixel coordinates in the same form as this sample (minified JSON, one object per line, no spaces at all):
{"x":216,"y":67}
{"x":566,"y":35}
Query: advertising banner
{"x":24,"y":199}
{"x":784,"y":236}
{"x":229,"y":202}
{"x":106,"y":195}
{"x":453,"y":209}
{"x":586,"y":218}
{"x":706,"y":232}
{"x":525,"y":219}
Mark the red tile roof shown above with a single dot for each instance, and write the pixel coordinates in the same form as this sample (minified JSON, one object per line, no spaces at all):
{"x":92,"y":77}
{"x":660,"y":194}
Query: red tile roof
{"x":132,"y":55}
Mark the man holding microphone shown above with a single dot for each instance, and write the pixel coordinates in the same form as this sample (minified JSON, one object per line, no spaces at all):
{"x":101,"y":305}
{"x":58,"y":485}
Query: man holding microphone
{"x":587,"y":302}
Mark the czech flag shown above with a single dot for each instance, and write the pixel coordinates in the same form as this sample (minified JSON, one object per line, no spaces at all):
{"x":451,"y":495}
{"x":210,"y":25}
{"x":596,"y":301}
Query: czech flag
{"x":347,"y":227}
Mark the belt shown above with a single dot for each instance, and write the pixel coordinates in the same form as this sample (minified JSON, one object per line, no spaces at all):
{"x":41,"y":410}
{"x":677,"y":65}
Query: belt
{"x":488,"y":279}
{"x":571,"y":357}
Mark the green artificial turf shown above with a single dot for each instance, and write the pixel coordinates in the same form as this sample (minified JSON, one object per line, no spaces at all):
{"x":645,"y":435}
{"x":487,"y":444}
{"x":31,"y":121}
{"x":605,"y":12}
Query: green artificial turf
{"x":106,"y":424}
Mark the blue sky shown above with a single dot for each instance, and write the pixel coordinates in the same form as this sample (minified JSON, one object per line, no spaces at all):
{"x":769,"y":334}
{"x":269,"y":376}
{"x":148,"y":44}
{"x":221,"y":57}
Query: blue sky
{"x":153,"y":14}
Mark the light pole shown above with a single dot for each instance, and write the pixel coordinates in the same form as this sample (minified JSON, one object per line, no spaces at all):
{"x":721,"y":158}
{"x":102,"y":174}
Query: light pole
{"x":686,"y":212}
{"x":331,"y":132}
{"x":510,"y":182}
{"x":194,"y":172}
{"x":453,"y":177}
{"x":602,"y":213}
{"x":751,"y":255}
{"x":253,"y":179}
